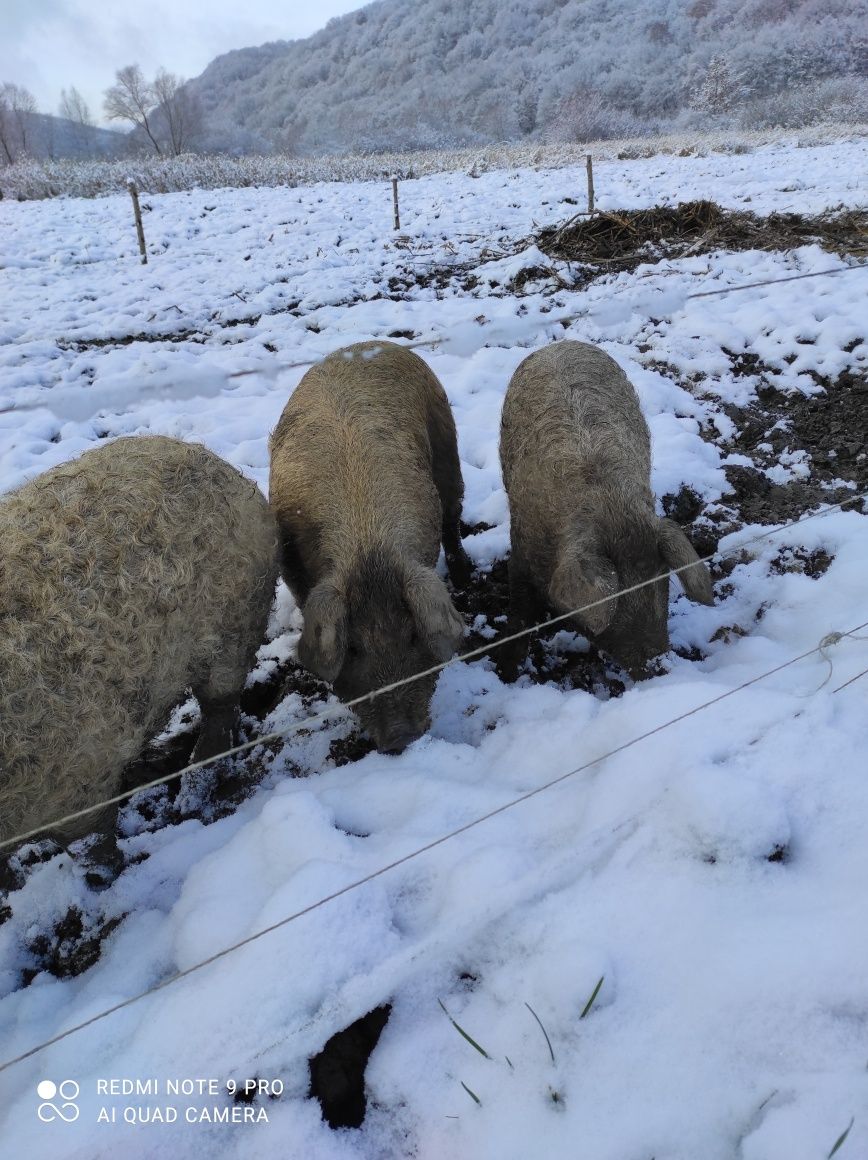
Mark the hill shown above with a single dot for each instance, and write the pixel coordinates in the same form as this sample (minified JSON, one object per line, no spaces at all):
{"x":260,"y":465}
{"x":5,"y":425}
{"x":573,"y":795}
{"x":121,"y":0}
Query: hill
{"x":423,"y":73}
{"x":46,"y":137}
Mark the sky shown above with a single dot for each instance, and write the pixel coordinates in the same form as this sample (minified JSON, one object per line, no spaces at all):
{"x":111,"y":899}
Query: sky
{"x":48,"y":45}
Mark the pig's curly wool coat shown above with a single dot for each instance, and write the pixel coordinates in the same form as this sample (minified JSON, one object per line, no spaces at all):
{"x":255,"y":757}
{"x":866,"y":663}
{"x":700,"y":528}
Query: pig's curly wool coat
{"x":143,"y":568}
{"x":366,"y":484}
{"x":576,"y":456}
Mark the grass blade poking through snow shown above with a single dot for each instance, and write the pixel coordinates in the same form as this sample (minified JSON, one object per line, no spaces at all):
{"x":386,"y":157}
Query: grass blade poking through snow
{"x":464,"y":1034}
{"x":841,"y":1138}
{"x":542,"y":1029}
{"x":594,"y":994}
{"x":472,"y":1094}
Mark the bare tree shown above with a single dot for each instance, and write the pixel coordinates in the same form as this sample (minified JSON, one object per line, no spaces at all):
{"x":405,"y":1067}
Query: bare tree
{"x":7,"y":137}
{"x":164,"y":109}
{"x":131,"y":98}
{"x":17,"y":106}
{"x":179,"y":111}
{"x":73,"y":108}
{"x":44,"y":142}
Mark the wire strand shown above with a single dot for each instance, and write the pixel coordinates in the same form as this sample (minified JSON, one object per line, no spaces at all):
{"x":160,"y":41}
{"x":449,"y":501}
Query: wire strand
{"x":435,"y":341}
{"x":775,"y":281}
{"x":850,"y":682}
{"x":551,"y":320}
{"x":472,"y":654}
{"x":225,"y":951}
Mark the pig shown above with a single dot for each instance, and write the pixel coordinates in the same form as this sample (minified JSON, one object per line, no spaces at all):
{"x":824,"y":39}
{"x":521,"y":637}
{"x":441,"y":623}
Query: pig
{"x":366,"y":483}
{"x":142,"y":568}
{"x":576,"y":457}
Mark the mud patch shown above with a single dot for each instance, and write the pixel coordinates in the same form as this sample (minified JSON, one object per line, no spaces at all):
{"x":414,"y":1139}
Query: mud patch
{"x":208,"y":794}
{"x":337,"y":1073}
{"x":829,"y":427}
{"x":345,"y":750}
{"x":71,"y":947}
{"x":263,"y":696}
{"x":801,"y":453}
{"x":801,"y":561}
{"x":15,"y":865}
{"x":289,"y":677}
{"x":758,"y":500}
{"x":551,"y":655}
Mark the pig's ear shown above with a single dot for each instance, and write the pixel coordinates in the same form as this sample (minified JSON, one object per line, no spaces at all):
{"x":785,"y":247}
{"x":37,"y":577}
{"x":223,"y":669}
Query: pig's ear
{"x":324,"y":636}
{"x":433,"y":612}
{"x":581,"y":578}
{"x":677,"y":551}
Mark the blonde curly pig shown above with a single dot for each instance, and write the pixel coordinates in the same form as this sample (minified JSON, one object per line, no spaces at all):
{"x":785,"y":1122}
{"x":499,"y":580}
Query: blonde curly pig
{"x":143,"y":568}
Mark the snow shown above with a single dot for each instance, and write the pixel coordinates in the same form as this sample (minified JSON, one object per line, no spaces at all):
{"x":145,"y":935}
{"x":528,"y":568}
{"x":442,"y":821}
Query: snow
{"x":731,"y":1021}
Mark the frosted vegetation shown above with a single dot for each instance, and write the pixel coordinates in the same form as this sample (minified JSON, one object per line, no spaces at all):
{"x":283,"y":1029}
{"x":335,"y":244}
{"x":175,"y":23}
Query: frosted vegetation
{"x":424,"y":75}
{"x":33,"y":179}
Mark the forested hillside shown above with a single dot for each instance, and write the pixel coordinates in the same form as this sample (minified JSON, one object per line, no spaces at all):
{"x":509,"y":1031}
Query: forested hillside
{"x":418,"y":73}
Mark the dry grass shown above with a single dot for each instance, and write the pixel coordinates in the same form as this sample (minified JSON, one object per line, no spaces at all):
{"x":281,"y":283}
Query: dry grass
{"x":29,"y":179}
{"x":627,"y":237}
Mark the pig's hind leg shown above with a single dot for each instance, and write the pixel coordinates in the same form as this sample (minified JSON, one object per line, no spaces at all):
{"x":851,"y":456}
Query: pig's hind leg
{"x":450,"y":487}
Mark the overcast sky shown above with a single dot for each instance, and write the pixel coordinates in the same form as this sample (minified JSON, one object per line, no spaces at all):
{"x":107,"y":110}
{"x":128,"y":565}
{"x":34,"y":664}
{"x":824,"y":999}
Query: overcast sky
{"x":48,"y":45}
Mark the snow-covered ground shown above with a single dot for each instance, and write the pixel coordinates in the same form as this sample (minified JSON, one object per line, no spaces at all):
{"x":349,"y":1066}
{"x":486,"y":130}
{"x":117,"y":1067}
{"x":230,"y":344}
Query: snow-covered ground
{"x":713,"y":875}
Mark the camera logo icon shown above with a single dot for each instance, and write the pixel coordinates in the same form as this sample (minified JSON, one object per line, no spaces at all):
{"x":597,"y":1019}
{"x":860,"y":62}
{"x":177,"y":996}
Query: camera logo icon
{"x":58,"y":1101}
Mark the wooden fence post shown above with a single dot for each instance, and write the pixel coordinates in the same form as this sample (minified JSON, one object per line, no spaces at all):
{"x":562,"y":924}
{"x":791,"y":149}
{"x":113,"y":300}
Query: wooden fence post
{"x":134,"y":194}
{"x":397,"y":220}
{"x":590,"y":166}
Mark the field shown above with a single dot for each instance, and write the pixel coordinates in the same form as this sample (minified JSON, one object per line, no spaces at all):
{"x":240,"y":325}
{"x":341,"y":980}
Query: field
{"x":712,"y":874}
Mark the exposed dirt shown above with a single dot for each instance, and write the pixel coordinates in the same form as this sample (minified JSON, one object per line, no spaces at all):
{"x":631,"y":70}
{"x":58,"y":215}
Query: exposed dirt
{"x":607,"y":242}
{"x":346,"y":750}
{"x":484,"y":604}
{"x":181,"y":334}
{"x":73,"y":945}
{"x":337,"y":1073}
{"x":829,"y":427}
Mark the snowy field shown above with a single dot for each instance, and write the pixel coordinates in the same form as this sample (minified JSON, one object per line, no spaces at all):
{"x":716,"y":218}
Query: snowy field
{"x":713,"y":875}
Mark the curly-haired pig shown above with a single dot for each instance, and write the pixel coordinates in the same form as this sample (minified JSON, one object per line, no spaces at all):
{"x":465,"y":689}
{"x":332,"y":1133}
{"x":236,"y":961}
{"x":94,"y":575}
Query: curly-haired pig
{"x":143,"y":568}
{"x":576,"y":457}
{"x":366,"y":484}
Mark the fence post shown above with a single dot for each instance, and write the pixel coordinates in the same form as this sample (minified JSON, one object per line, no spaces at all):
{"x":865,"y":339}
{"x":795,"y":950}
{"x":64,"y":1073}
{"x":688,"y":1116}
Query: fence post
{"x":590,"y":166}
{"x":397,"y":220}
{"x":134,"y":194}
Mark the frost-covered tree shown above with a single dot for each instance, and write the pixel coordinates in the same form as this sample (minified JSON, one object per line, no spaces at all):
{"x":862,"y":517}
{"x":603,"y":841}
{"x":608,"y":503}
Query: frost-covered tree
{"x":719,"y":89}
{"x":178,"y":112}
{"x":586,"y":115}
{"x":164,"y":111}
{"x":131,"y":98}
{"x":526,"y":112}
